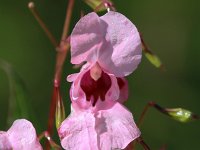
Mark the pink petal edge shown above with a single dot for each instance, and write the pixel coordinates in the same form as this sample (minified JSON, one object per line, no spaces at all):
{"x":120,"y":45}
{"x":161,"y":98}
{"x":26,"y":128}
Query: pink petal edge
{"x":95,"y":38}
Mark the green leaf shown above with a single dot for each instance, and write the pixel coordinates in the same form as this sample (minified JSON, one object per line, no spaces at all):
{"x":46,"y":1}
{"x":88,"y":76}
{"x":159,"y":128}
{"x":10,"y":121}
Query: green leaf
{"x":181,"y":114}
{"x":18,"y":100}
{"x":96,"y":4}
{"x":153,"y":59}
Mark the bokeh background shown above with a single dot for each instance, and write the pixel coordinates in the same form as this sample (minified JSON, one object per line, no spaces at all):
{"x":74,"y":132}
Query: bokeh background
{"x":172,"y":31}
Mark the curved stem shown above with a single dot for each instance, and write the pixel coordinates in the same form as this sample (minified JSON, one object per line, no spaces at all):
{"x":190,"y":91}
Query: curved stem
{"x":146,"y":108}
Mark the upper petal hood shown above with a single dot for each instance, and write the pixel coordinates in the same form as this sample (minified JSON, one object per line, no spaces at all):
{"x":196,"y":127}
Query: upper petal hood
{"x":125,"y":41}
{"x":86,"y":39}
{"x":111,"y":40}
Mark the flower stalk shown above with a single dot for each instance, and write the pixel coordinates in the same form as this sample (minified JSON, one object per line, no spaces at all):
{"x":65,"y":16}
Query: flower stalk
{"x":62,"y":49}
{"x":46,"y":135}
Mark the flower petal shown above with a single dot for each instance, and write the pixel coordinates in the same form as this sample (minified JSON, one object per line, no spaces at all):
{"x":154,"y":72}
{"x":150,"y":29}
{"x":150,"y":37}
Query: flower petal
{"x":4,"y":142}
{"x":77,"y":132}
{"x":74,"y":76}
{"x":22,"y":136}
{"x":86,"y":39}
{"x":115,"y":128}
{"x":113,"y":92}
{"x":124,"y":38}
{"x":123,"y":86}
{"x":77,"y":95}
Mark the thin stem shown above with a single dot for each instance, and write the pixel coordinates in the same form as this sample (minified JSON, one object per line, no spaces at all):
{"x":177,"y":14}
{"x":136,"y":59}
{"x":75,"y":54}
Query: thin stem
{"x":144,"y":112}
{"x":48,"y":138}
{"x":60,"y":59}
{"x":144,"y":45}
{"x":99,"y":7}
{"x":67,"y":19}
{"x":35,"y":13}
{"x":146,"y":49}
{"x":150,"y":104}
{"x":64,"y":44}
{"x":144,"y":145}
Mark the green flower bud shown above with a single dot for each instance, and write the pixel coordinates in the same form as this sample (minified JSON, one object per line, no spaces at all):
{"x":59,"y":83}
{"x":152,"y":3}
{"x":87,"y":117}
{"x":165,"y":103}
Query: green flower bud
{"x":181,"y":114}
{"x":60,"y":111}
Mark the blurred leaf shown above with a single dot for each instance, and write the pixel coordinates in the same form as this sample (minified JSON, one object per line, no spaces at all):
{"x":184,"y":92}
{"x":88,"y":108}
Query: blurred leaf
{"x":18,"y":102}
{"x":96,"y":4}
{"x":153,"y":59}
{"x":60,"y":110}
{"x":181,"y":114}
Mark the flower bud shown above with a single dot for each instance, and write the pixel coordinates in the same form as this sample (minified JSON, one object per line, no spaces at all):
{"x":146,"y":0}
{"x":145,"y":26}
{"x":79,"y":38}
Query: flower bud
{"x":60,"y":110}
{"x":181,"y":114}
{"x":95,"y":3}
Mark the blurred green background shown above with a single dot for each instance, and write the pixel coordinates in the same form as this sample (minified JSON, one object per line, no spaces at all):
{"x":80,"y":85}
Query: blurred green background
{"x":172,"y":31}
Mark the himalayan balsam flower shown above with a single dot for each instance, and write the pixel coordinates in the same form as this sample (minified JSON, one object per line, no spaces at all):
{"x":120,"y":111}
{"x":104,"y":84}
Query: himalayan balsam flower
{"x":20,"y":136}
{"x":111,"y":47}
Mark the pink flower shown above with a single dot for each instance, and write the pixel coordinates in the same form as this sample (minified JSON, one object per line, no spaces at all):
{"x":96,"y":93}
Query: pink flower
{"x":111,"y":47}
{"x":20,"y":136}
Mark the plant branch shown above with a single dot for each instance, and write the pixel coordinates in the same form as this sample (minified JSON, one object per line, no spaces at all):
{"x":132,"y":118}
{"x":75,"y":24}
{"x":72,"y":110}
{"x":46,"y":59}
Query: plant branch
{"x":35,"y":13}
{"x":48,"y":138}
{"x":146,"y":108}
{"x":144,"y":145}
{"x":60,"y":59}
{"x":67,"y":20}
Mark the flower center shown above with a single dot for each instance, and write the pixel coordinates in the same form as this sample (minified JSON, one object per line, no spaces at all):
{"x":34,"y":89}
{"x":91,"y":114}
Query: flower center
{"x":95,"y":84}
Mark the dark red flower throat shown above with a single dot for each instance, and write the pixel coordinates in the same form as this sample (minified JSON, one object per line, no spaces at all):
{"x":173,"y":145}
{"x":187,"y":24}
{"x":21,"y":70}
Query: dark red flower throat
{"x":97,"y":88}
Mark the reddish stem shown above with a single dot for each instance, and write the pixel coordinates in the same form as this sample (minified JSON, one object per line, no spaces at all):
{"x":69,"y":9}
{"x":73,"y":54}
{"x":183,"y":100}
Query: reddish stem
{"x":52,"y":110}
{"x":150,"y":104}
{"x":46,"y":135}
{"x":144,"y":145}
{"x":60,"y":58}
{"x":35,"y":13}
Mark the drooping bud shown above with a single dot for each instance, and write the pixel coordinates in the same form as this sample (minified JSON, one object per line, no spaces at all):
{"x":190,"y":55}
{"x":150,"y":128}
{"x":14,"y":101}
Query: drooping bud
{"x":154,"y":59}
{"x":178,"y":114}
{"x":60,"y":110}
{"x":181,"y":114}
